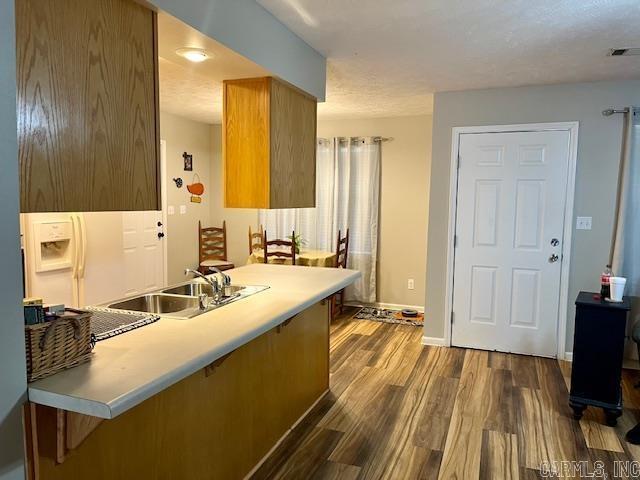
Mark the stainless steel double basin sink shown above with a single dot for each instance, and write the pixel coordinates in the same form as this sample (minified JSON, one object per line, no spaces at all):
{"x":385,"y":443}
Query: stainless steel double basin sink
{"x":181,"y":301}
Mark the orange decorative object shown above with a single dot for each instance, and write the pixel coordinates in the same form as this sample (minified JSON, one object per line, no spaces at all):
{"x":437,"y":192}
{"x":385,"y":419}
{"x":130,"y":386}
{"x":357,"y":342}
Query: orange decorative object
{"x":196,"y":188}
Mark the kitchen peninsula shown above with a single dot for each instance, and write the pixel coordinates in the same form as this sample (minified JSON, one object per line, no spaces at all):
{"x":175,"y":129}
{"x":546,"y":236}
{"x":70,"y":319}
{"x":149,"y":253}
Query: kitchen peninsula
{"x":205,"y":397}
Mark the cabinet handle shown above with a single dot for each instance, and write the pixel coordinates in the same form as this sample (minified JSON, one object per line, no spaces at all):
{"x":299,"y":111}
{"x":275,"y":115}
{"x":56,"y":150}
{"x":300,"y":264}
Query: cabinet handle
{"x":284,"y":324}
{"x":211,"y":368}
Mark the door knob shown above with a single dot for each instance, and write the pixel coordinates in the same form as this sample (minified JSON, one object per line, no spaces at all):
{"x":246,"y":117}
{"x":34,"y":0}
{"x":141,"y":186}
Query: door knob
{"x":555,"y":242}
{"x":553,"y":258}
{"x":160,"y":234}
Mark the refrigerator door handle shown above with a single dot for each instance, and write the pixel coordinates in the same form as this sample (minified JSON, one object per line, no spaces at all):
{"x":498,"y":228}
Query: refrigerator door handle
{"x":83,"y":245}
{"x":76,"y":245}
{"x":75,"y":226}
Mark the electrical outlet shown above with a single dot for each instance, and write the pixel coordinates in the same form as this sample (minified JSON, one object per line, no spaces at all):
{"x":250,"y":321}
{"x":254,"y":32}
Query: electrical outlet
{"x":583,"y":223}
{"x":183,"y":209}
{"x":410,"y":284}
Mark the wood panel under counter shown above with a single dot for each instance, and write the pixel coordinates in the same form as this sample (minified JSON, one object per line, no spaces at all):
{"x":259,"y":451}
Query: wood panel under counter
{"x":219,"y":422}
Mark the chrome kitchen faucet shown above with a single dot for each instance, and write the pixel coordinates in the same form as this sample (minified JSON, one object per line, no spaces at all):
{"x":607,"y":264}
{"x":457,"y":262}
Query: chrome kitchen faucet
{"x":203,"y":297}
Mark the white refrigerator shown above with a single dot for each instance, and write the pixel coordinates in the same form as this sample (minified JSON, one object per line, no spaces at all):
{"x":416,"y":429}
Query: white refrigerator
{"x":84,"y":259}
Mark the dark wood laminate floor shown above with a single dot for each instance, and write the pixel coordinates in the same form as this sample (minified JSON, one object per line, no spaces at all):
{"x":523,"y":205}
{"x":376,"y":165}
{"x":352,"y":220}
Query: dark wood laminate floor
{"x":400,"y":410}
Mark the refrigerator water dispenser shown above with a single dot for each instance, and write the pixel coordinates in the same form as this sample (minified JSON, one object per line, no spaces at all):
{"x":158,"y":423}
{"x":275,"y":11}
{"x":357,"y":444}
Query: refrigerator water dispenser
{"x":53,"y":246}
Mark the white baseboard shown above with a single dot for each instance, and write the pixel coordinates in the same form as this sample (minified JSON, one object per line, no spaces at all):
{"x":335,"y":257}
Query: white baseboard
{"x":568,"y":356}
{"x":437,"y":341}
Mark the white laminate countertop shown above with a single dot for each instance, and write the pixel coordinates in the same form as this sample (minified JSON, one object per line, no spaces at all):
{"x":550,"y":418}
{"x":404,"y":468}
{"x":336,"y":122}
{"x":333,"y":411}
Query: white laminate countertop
{"x":127,"y":369}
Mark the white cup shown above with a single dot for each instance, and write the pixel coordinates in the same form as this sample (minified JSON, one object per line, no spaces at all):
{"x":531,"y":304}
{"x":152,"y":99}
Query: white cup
{"x":617,"y":288}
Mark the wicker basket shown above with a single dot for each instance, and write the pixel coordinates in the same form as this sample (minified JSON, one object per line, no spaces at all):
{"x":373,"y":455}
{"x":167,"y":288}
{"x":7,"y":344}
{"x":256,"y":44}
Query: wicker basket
{"x":59,"y":344}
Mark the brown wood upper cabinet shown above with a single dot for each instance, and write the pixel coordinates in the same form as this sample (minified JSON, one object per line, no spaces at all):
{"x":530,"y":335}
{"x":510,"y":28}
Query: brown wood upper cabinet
{"x":269,"y":145}
{"x":87,"y":105}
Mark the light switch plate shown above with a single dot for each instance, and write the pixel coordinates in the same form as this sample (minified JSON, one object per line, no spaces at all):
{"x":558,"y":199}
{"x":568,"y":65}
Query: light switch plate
{"x":410,"y":284}
{"x":183,"y":209}
{"x":583,"y":223}
{"x":171,"y":210}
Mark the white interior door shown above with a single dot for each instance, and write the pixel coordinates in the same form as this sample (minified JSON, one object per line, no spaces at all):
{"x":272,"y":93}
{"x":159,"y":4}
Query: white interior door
{"x":509,"y":233}
{"x":143,"y":251}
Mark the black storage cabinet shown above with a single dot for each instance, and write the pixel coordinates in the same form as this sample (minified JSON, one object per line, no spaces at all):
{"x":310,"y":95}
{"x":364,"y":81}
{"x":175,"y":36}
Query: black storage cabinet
{"x":598,"y":347}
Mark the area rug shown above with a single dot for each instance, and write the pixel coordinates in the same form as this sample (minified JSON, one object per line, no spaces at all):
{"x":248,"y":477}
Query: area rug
{"x":388,"y":315}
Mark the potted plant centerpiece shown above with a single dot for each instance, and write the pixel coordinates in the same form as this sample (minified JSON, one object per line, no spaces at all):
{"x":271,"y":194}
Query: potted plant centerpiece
{"x":298,"y":242}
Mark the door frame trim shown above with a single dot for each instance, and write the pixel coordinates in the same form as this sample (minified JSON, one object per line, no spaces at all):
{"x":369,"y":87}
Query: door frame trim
{"x":572,"y":128}
{"x":163,"y":206}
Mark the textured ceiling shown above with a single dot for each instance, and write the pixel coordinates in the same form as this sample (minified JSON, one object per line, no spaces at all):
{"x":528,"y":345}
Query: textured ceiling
{"x":386,"y":57}
{"x":194,"y":90}
{"x":189,"y":94}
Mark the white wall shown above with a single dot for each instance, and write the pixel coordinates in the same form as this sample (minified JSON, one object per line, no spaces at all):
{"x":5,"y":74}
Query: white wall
{"x":183,"y":135}
{"x":13,"y":383}
{"x":599,"y":141}
{"x":404,"y":200}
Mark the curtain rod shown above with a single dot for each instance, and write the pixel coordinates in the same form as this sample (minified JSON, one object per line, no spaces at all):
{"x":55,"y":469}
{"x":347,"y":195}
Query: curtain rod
{"x":610,"y":111}
{"x":375,"y":139}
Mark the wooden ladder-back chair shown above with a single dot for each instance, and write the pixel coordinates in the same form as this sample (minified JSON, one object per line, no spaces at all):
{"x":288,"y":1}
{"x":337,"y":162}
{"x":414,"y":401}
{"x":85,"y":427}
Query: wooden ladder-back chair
{"x":255,"y":240}
{"x":290,"y":251}
{"x":342,"y":252}
{"x":212,"y":248}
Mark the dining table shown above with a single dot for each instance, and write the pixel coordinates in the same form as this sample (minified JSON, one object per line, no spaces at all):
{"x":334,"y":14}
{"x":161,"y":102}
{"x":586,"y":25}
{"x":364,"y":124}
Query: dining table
{"x":306,"y":257}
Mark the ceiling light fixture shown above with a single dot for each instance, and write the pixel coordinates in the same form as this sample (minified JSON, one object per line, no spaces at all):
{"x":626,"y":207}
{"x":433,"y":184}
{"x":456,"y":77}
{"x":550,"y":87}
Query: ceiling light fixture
{"x":196,"y":55}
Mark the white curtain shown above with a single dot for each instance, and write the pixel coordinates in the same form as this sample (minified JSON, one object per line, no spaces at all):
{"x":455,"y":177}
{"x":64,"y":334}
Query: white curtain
{"x":347,"y":196}
{"x":625,"y":254}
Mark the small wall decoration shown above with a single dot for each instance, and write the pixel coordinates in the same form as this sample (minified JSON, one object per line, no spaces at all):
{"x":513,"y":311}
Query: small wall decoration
{"x":188,"y":162}
{"x":178,"y":182}
{"x":196,"y":189}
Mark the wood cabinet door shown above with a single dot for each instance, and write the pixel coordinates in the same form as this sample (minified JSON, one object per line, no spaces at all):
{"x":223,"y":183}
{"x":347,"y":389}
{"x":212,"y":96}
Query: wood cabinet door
{"x":87,"y":105}
{"x":293,"y":148}
{"x":269,"y":145}
{"x":246,"y":143}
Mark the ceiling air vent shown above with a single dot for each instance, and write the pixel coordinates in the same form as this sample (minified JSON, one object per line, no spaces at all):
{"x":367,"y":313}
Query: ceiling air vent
{"x":618,"y":52}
